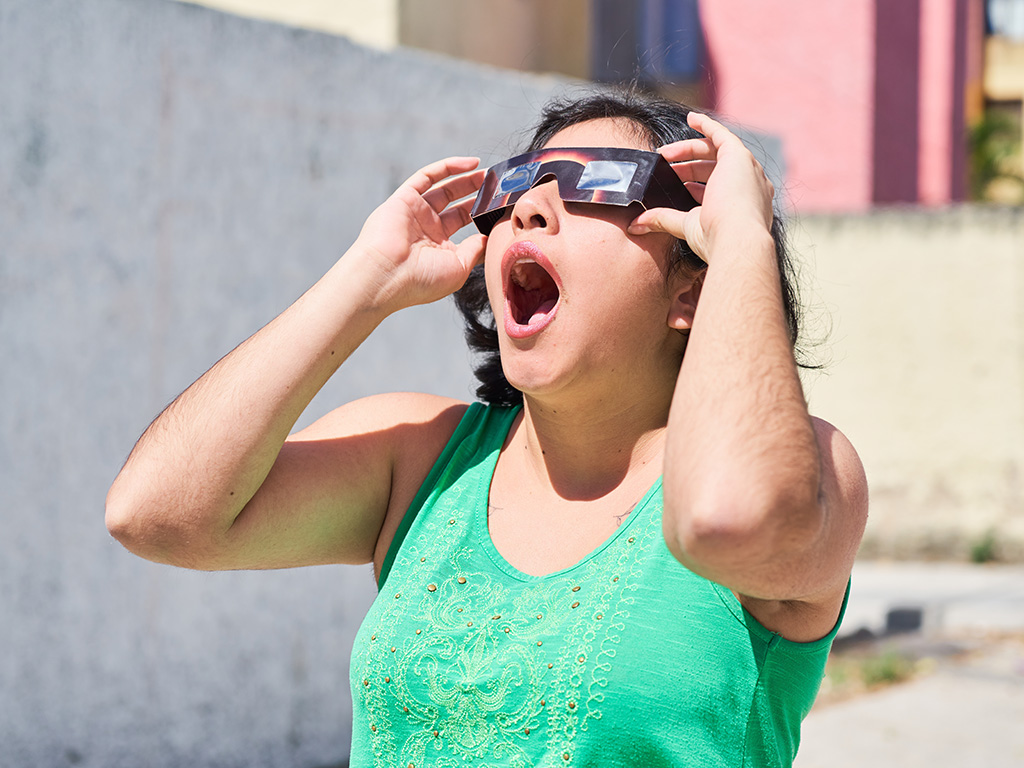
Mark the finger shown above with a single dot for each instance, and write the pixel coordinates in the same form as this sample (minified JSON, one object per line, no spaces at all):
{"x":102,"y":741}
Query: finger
{"x":456,"y":217}
{"x":684,"y":225}
{"x":694,"y":170}
{"x":717,"y":133}
{"x":658,"y":220}
{"x":429,"y":175}
{"x":688,"y":149}
{"x":723,"y":138}
{"x":696,"y":191}
{"x":451,"y":189}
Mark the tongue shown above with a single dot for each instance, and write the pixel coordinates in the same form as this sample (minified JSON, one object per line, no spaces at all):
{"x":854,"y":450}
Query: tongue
{"x":531,"y":307}
{"x":542,"y":311}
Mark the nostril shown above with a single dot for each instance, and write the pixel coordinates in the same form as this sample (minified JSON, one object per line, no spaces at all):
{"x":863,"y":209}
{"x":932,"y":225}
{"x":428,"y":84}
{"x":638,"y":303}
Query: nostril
{"x":534,"y":221}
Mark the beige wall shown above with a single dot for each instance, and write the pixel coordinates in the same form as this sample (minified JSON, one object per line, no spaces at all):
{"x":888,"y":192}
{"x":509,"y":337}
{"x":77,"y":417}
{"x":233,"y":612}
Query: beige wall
{"x":529,"y":35}
{"x":927,"y":377}
{"x":370,"y":22}
{"x":1004,"y":69}
{"x":532,"y":35}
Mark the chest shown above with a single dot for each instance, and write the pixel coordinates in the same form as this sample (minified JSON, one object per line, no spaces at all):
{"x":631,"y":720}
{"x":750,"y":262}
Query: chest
{"x":464,"y":657}
{"x":537,"y":542}
{"x":539,"y":531}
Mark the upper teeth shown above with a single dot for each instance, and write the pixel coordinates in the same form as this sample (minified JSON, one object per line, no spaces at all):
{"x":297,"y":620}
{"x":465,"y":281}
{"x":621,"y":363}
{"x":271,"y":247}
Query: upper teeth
{"x":516,"y":273}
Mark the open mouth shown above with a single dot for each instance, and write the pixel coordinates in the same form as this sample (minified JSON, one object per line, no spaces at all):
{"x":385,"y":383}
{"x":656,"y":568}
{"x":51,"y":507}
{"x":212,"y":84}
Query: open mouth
{"x":531,"y":291}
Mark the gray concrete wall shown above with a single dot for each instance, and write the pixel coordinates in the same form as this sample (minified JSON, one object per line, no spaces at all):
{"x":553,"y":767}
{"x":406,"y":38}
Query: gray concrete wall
{"x":170,"y":179}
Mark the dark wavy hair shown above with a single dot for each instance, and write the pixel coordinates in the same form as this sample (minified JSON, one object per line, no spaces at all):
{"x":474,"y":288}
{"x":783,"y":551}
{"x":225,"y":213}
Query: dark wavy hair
{"x":657,"y":121}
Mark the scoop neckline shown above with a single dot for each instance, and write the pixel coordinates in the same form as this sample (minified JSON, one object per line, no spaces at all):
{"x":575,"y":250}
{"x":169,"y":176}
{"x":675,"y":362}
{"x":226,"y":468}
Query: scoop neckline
{"x":480,"y":521}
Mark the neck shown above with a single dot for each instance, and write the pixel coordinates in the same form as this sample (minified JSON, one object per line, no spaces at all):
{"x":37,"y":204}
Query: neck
{"x":585,"y":452}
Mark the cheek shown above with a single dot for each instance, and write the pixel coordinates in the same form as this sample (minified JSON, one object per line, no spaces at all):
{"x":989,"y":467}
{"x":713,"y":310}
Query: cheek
{"x":660,"y":248}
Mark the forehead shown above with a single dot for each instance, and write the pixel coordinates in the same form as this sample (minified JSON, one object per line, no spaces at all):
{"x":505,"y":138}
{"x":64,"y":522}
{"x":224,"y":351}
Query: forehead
{"x":604,"y":132}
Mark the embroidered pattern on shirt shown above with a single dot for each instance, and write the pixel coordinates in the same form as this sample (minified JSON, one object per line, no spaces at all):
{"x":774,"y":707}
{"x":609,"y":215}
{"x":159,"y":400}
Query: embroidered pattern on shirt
{"x":467,"y":668}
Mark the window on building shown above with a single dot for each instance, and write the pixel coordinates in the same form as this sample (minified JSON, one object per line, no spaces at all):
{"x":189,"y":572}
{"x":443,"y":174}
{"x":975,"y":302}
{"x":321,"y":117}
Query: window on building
{"x":1005,"y":18}
{"x":655,"y":41}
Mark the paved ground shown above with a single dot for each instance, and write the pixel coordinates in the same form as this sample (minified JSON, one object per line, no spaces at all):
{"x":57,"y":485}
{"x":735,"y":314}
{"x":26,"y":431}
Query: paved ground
{"x":965,"y":706}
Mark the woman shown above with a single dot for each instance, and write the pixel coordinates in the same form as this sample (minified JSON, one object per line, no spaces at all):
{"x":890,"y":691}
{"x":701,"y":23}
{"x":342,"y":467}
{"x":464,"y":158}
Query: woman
{"x":643,"y":563}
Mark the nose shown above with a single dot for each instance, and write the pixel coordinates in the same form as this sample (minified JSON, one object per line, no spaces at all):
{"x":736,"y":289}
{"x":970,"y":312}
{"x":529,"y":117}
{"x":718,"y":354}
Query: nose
{"x":537,"y":208}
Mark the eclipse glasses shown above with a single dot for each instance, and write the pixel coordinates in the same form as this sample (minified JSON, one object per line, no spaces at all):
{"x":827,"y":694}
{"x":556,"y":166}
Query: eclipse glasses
{"x":605,"y":175}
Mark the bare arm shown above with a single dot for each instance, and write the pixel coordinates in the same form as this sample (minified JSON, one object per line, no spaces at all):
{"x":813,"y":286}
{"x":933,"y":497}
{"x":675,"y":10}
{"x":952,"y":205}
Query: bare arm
{"x":759,"y":496}
{"x":213,"y":484}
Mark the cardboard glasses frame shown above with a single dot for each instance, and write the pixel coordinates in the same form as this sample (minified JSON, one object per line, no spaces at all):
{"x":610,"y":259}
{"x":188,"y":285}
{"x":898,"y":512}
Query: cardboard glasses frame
{"x":605,"y":175}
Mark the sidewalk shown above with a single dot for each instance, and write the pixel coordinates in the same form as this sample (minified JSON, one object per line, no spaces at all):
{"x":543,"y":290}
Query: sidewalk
{"x":968,"y":621}
{"x":951,"y":596}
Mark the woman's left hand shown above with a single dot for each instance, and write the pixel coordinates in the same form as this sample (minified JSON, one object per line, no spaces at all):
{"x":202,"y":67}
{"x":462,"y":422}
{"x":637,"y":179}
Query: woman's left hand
{"x":730,"y":186}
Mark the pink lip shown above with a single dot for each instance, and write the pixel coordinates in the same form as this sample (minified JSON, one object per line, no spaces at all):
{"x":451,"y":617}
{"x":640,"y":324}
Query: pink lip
{"x":520,"y":251}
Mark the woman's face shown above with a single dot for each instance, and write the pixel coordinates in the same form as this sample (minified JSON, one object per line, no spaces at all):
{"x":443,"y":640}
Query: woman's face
{"x":577,"y":300}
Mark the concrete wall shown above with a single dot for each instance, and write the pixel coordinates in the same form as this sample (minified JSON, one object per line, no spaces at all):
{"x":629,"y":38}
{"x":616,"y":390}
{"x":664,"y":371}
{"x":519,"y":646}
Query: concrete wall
{"x":170,"y":179}
{"x":927,"y":373}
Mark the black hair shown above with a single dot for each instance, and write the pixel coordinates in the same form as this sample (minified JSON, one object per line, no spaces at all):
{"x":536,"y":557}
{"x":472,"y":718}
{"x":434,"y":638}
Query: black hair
{"x":657,"y":121}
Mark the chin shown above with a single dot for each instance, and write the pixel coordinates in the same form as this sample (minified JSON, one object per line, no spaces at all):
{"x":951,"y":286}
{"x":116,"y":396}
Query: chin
{"x":523,"y":370}
{"x":529,"y":382}
{"x":533,"y":377}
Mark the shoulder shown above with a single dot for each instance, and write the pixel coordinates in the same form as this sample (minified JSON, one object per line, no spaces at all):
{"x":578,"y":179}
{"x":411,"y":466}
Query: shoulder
{"x":406,"y":432}
{"x":426,"y":415}
{"x":388,"y":442}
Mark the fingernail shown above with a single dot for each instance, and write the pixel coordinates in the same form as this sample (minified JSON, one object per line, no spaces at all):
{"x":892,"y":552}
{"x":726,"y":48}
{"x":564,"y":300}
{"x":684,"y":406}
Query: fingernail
{"x":638,"y":229}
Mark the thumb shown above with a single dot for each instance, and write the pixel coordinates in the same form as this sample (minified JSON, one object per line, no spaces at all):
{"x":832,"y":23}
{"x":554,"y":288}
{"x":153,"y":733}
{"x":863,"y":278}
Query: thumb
{"x":684,"y":225}
{"x":471,"y":251}
{"x":666,"y":220}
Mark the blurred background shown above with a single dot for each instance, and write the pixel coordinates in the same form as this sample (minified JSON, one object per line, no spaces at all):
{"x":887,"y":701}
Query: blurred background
{"x":173,"y":175}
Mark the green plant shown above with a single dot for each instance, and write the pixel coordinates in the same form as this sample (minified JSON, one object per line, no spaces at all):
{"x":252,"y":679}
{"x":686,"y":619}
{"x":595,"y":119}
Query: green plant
{"x":995,"y":152}
{"x":886,"y":668}
{"x":983,"y":549}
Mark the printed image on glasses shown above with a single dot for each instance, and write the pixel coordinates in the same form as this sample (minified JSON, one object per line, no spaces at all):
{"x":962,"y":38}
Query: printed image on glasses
{"x":518,"y":179}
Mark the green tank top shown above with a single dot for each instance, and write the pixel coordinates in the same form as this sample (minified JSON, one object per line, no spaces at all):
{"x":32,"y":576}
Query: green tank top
{"x":626,"y":658}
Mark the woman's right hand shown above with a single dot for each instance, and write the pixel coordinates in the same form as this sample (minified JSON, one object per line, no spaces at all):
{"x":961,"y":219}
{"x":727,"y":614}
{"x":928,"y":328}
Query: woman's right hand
{"x":406,"y":239}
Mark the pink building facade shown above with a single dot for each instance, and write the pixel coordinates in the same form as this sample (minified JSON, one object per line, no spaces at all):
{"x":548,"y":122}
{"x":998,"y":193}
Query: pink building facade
{"x":866,"y":96}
